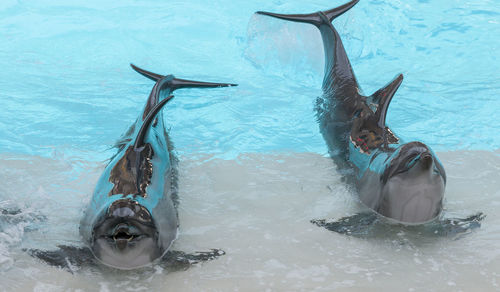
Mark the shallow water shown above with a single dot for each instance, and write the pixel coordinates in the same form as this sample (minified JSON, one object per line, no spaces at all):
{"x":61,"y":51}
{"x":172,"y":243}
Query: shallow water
{"x":254,"y":168}
{"x":257,"y":208}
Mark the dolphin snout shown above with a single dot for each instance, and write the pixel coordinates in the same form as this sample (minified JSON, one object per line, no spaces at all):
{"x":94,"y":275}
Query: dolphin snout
{"x":425,"y":160}
{"x":426,"y":156}
{"x":414,"y":192}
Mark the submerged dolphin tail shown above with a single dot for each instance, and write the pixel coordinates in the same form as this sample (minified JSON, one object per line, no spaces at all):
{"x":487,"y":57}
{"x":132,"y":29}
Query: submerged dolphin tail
{"x":179,"y":83}
{"x":316,"y":18}
{"x":139,"y":141}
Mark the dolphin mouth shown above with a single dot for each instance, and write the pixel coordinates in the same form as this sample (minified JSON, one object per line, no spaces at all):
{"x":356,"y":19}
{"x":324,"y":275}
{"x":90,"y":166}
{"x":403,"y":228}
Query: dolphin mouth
{"x":123,"y":232}
{"x":123,"y":235}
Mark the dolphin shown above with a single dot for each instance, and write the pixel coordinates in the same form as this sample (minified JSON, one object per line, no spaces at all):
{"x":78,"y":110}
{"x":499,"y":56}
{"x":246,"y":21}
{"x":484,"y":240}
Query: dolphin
{"x":403,"y":182}
{"x":131,"y":219}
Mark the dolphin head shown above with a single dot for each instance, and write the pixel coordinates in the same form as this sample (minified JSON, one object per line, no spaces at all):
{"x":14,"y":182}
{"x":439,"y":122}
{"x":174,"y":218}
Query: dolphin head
{"x":413,"y":185}
{"x":125,"y":236}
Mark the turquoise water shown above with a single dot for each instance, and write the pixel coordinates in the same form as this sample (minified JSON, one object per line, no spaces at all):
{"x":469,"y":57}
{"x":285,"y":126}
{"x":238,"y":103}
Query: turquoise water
{"x":66,"y":84}
{"x":67,"y":93}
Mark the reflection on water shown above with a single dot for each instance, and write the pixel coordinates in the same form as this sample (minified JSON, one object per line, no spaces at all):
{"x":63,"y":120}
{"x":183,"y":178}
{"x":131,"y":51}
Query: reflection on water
{"x":258,"y":209}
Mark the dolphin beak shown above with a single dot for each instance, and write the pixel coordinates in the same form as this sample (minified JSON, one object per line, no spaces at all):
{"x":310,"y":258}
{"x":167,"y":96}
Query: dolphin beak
{"x":413,"y":194}
{"x":426,"y":160}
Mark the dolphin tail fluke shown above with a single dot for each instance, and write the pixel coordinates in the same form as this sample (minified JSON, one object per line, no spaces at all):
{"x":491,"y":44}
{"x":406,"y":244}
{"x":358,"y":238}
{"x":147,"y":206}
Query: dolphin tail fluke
{"x":177,"y":83}
{"x":139,"y":141}
{"x":147,"y":74}
{"x":183,"y":83}
{"x":383,"y":97}
{"x":316,"y":18}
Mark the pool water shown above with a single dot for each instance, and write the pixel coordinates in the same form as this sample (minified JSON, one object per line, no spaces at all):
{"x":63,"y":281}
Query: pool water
{"x":254,"y":168}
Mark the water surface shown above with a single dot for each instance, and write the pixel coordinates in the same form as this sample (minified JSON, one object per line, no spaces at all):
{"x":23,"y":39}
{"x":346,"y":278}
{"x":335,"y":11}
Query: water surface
{"x":254,"y":167}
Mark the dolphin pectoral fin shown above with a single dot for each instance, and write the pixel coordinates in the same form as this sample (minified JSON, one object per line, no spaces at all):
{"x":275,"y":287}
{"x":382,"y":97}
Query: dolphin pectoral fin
{"x":457,"y":227}
{"x":70,"y":258}
{"x":203,"y":256}
{"x":365,"y":225}
{"x":178,"y":260}
{"x":356,"y":225}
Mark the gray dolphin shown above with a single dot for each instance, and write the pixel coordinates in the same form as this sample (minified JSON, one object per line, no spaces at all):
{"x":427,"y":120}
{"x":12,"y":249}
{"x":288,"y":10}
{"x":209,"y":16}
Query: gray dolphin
{"x":131,"y":220}
{"x":404,"y":182}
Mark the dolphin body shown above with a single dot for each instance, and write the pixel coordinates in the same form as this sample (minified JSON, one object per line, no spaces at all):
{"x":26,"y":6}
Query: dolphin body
{"x":404,"y":182}
{"x":132,"y":217}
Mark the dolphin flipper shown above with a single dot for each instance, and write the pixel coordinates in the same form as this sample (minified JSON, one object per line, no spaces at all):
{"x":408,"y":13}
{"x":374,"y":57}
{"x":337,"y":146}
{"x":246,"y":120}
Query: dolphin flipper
{"x":69,"y":258}
{"x":457,"y":227}
{"x":368,"y":224}
{"x":178,"y":260}
{"x":356,"y":225}
{"x":72,"y":258}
